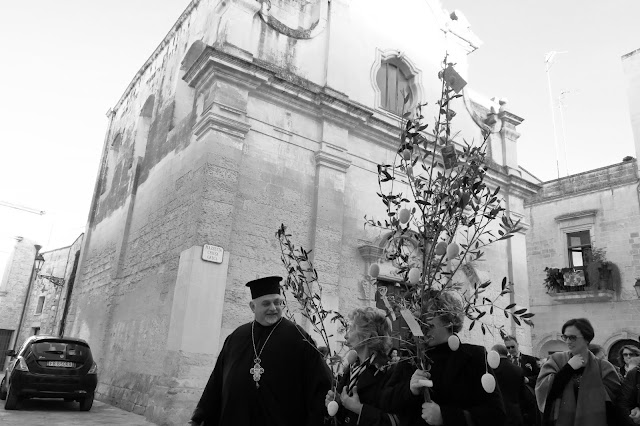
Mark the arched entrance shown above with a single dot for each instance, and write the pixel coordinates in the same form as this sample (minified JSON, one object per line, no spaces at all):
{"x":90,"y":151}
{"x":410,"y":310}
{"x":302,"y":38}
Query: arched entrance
{"x":551,"y":347}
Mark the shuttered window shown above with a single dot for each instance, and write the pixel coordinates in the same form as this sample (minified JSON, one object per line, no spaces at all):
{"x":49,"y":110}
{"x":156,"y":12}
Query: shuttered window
{"x":394,"y":86}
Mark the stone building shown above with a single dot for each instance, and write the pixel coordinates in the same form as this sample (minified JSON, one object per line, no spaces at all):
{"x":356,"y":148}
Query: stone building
{"x":589,"y":225}
{"x":14,"y":287}
{"x":248,"y":115}
{"x":47,"y":309}
{"x":31,"y":303}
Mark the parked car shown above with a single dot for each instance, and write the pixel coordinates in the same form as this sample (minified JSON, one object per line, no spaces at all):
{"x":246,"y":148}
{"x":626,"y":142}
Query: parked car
{"x":50,"y":367}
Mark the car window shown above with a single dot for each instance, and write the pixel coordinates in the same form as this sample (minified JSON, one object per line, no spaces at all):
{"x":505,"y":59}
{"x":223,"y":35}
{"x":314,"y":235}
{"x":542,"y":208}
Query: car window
{"x":57,"y":349}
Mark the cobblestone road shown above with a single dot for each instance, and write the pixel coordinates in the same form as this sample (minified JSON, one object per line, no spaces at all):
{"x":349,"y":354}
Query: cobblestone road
{"x":56,"y":412}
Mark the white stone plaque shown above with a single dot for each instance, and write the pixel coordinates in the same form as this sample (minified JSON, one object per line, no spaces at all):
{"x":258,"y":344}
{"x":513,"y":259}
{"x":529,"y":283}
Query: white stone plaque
{"x":212,"y":253}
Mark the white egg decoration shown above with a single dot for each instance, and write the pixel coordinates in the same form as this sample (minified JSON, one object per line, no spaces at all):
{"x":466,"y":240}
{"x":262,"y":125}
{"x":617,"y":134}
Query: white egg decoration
{"x":453,"y":250}
{"x":454,"y":342}
{"x":441,"y":248}
{"x":374,"y":270}
{"x":404,"y":215}
{"x":414,"y":275}
{"x":488,"y":383}
{"x":332,"y":408}
{"x":493,"y":359}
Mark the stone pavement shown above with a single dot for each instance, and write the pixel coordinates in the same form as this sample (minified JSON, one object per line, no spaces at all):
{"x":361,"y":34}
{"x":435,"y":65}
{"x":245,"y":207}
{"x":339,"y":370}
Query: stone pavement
{"x":56,"y":412}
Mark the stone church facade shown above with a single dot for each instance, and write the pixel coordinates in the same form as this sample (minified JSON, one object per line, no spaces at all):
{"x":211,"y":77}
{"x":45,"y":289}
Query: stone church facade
{"x":248,"y":115}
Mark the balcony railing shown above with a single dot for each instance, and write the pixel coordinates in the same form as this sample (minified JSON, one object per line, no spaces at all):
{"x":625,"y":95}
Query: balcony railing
{"x":575,"y":286}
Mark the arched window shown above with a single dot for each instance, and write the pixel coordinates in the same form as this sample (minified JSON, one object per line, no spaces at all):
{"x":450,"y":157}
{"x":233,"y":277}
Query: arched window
{"x":394,"y":87}
{"x":394,"y":79}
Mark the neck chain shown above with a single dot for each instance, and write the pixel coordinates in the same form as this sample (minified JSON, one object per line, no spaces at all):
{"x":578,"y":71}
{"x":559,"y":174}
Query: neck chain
{"x":256,"y":371}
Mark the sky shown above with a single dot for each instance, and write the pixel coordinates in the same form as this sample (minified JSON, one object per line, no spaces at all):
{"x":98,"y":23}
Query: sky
{"x":65,"y":63}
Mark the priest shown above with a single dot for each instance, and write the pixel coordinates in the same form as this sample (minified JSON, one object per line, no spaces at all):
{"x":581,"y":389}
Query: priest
{"x":269,"y":372}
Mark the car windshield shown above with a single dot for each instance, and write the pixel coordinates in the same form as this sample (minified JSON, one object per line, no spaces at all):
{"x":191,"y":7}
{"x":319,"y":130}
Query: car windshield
{"x":47,"y":349}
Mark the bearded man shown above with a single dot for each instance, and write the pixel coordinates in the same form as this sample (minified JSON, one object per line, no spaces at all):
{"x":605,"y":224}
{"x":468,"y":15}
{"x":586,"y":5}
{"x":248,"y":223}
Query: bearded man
{"x":269,"y":372}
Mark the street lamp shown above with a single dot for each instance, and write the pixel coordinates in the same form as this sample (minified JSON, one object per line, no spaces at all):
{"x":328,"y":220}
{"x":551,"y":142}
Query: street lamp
{"x":39,"y":261}
{"x":56,"y":281}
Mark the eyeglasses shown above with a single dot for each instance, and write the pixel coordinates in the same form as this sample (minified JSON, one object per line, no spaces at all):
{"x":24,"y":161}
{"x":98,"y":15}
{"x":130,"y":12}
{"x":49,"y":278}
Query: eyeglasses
{"x":511,"y":347}
{"x":628,"y":354}
{"x":571,"y":339}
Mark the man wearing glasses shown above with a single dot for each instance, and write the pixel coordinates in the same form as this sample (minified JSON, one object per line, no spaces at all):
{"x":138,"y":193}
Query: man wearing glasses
{"x":529,"y":365}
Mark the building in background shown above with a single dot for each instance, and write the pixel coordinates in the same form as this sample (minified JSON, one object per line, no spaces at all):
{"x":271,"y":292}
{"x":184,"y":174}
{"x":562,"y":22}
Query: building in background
{"x":15,"y":286}
{"x":30,"y":302}
{"x":586,"y":228}
{"x":49,"y":304}
{"x":249,"y":115}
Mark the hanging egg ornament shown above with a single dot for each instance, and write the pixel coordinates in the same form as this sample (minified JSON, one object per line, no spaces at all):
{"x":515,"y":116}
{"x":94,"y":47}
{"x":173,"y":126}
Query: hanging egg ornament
{"x":406,"y":154}
{"x":454,"y":342}
{"x":414,"y":275}
{"x":332,"y":408}
{"x":441,"y":248}
{"x":409,"y":171}
{"x":374,"y":270}
{"x":453,"y":250}
{"x":493,"y":359}
{"x":488,"y":383}
{"x":404,"y":215}
{"x":350,"y":357}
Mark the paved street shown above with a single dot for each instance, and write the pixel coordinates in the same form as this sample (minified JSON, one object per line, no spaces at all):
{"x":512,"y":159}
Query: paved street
{"x":56,"y":412}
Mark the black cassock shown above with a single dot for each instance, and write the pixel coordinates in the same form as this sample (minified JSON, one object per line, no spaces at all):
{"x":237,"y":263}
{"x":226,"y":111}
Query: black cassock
{"x":292,"y":388}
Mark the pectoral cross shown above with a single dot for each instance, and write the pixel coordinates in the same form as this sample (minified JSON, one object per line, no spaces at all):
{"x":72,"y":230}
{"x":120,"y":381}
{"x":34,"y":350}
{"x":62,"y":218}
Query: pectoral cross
{"x":256,"y":371}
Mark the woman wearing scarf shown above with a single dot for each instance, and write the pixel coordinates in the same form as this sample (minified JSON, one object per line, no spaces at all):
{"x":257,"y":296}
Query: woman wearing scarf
{"x":575,"y":388}
{"x":360,"y":387}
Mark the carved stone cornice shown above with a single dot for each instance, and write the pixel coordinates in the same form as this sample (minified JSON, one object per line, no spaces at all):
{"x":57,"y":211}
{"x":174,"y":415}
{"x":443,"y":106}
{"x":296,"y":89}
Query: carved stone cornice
{"x":370,"y":253}
{"x":332,"y":161}
{"x":210,"y":121}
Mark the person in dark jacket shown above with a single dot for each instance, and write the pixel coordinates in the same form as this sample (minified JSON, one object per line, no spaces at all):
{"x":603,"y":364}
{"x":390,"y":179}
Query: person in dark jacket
{"x":256,"y":380}
{"x":510,"y":378}
{"x":529,"y":365}
{"x":456,"y":392}
{"x":630,"y":396}
{"x":359,"y":390}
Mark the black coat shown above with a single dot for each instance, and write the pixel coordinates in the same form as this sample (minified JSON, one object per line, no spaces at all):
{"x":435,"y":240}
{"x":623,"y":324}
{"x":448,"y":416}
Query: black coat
{"x":457,"y":389}
{"x":292,"y":388}
{"x":510,"y":377}
{"x":370,"y":386}
{"x":630,"y":393}
{"x":529,"y":365}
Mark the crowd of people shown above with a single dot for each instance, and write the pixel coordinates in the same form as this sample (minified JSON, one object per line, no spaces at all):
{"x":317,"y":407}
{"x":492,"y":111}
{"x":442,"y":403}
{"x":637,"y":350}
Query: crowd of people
{"x":255,"y":382}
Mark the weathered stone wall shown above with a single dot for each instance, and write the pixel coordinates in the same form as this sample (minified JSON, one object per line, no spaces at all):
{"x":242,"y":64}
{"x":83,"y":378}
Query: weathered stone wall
{"x":14,"y":286}
{"x":55,"y":263}
{"x":235,"y":125}
{"x":606,"y":202}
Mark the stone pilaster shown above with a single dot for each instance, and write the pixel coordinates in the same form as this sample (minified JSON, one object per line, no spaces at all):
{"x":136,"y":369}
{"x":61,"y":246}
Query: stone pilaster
{"x":509,"y":137}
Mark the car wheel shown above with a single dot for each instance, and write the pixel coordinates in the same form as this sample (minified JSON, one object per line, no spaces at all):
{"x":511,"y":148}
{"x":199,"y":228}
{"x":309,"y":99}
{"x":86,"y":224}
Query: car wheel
{"x":3,"y":391}
{"x":12,"y":400}
{"x":87,"y":402}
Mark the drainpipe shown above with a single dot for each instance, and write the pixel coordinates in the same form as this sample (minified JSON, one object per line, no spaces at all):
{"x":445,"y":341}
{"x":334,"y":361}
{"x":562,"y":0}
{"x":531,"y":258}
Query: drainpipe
{"x":32,"y":278}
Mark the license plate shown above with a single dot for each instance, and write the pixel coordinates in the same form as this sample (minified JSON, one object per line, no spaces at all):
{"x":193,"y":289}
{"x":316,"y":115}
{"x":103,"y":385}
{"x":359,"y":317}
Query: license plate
{"x":60,"y":364}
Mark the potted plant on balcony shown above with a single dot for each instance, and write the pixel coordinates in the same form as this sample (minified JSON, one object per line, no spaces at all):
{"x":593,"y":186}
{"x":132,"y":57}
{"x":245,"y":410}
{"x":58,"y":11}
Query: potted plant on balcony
{"x":554,"y":281}
{"x":599,"y":269}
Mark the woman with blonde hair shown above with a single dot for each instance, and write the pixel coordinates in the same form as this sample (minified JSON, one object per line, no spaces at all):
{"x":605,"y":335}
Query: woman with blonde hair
{"x":575,"y":387}
{"x":358,"y":393}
